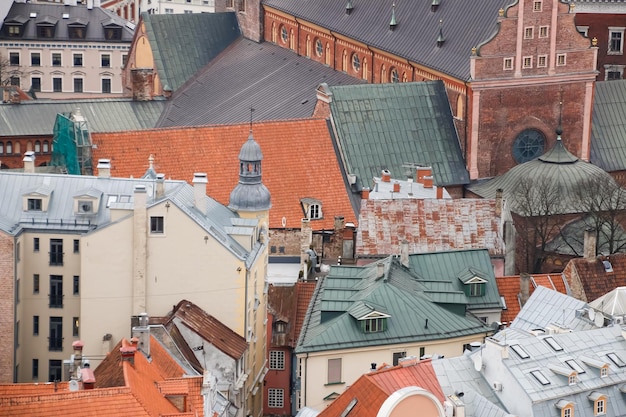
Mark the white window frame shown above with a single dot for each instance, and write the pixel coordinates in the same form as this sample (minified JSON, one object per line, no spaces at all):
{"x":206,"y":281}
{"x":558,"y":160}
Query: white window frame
{"x":275,"y":398}
{"x":335,"y":362}
{"x":583,"y":30}
{"x":529,"y":32}
{"x":277,"y":360}
{"x":545,"y":61}
{"x":110,"y":84}
{"x":599,"y":408}
{"x":524,"y":59}
{"x":74,"y":85}
{"x":541,"y":29}
{"x":19,"y":57}
{"x":616,"y":29}
{"x":102,"y":55}
{"x":40,"y":58}
{"x":558,"y":58}
{"x":82,"y":59}
{"x":52,"y":53}
{"x":507,"y":64}
{"x":535,"y":8}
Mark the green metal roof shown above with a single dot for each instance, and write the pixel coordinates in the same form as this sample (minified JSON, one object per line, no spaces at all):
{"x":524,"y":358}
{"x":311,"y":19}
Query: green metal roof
{"x":184,"y":43}
{"x":413,"y":316}
{"x":608,"y":130}
{"x":388,"y":126}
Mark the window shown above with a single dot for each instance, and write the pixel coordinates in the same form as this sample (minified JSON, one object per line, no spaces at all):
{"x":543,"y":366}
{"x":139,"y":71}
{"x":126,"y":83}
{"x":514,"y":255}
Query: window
{"x":616,"y":360}
{"x":280,"y":327}
{"x":539,"y":376}
{"x":542,"y":61}
{"x":374,"y":325}
{"x":14,"y":58}
{"x":78,"y":85}
{"x":35,"y":59}
{"x":15,"y":81}
{"x":14,"y":31}
{"x":397,"y":356}
{"x":9,"y":148}
{"x":567,"y":412}
{"x":75,"y":326}
{"x":35,"y":325}
{"x":36,"y":244}
{"x":34,"y":204}
{"x":275,"y":398}
{"x":613,"y":72}
{"x":315,"y":211}
{"x":188,"y":11}
{"x":115,"y":33}
{"x":106,"y":85}
{"x":277,"y":359}
{"x":54,"y":370}
{"x":1,"y":148}
{"x":36,"y":284}
{"x":319,"y":48}
{"x":508,"y":64}
{"x":553,"y":344}
{"x":528,"y":32}
{"x":284,"y":35}
{"x":395,"y":78}
{"x":528,"y":62}
{"x":56,"y":251}
{"x":76,"y":246}
{"x":519,"y":351}
{"x":537,"y":6}
{"x":600,"y":408}
{"x":334,"y":371}
{"x":543,"y":31}
{"x":528,"y":145}
{"x":169,"y":11}
{"x":604,"y":371}
{"x":37,"y":146}
{"x":45,"y":146}
{"x":57,"y":85}
{"x":76,"y":285}
{"x":616,"y":40}
{"x":55,"y":342}
{"x":56,"y":59}
{"x":124,"y":59}
{"x":572,"y":379}
{"x":85,"y":206}
{"x":156,"y":224}
{"x":45,"y":31}
{"x":105,"y":60}
{"x":575,"y":366}
{"x":77,"y":32}
{"x":77,"y":60}
{"x":35,"y":84}
{"x":560,"y":59}
{"x":56,"y":291}
{"x":35,"y":368}
{"x":356,"y":62}
{"x":242,"y":5}
{"x":476,"y":289}
{"x":584,"y":30}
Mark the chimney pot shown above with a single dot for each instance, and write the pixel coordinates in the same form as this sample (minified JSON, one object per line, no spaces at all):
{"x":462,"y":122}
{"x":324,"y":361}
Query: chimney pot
{"x":365,"y":193}
{"x":199,"y":191}
{"x":29,"y":162}
{"x":439,"y":192}
{"x":396,"y":187}
{"x":524,"y":279}
{"x":104,"y":168}
{"x":428,"y":181}
{"x":423,"y":172}
{"x":386,"y":176}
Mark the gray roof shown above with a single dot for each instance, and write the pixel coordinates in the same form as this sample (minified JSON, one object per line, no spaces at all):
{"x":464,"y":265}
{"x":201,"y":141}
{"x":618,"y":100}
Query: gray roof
{"x":608,"y":130}
{"x":557,"y":169}
{"x":441,"y":273}
{"x":37,"y":117}
{"x":570,"y":240}
{"x":466,"y":24}
{"x":329,"y":325}
{"x":217,"y":221}
{"x":387,"y":126}
{"x":51,"y":13}
{"x":179,"y":54}
{"x":275,"y":81}
{"x":612,"y":303}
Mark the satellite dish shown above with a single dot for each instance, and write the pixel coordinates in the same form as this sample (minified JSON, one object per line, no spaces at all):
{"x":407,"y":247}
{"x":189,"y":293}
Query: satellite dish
{"x":73,"y":385}
{"x":478,"y":363}
{"x":599,"y":320}
{"x":592,"y":314}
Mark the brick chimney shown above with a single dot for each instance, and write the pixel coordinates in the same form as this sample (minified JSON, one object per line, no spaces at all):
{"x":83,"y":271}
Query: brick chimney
{"x":324,"y":98}
{"x":128,"y":354}
{"x":199,"y":191}
{"x":29,"y":162}
{"x":142,"y":82}
{"x":423,"y":172}
{"x":427,"y":181}
{"x":380,"y":270}
{"x":439,"y":192}
{"x":524,"y":283}
{"x":499,"y":202}
{"x":365,"y":193}
{"x":386,"y":176}
{"x":104,"y":168}
{"x":396,"y":187}
{"x":589,"y":244}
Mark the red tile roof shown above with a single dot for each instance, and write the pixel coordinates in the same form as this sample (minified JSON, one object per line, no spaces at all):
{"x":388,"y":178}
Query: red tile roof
{"x":299,"y":161}
{"x":509,"y":288}
{"x":282,"y":302}
{"x":428,"y":225}
{"x":594,"y":278}
{"x":372,"y":389}
{"x":305,"y":293}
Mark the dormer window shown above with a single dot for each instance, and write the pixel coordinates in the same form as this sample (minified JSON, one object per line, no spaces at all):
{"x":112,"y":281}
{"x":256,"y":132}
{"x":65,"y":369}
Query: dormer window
{"x":46,"y":27}
{"x":77,"y":31}
{"x":86,"y":201}
{"x":37,"y":199}
{"x":280,"y":327}
{"x":474,"y":282}
{"x":112,"y":32}
{"x":374,"y":325}
{"x":34,"y":204}
{"x":85,"y":206}
{"x":599,"y":403}
{"x":566,"y":407}
{"x":312,"y":208}
{"x":14,"y":27}
{"x":14,"y":31}
{"x":373,"y":319}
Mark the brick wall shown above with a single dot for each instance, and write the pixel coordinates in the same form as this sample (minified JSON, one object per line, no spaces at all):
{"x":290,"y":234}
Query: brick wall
{"x":7,"y":316}
{"x":598,"y":27}
{"x":21,"y":144}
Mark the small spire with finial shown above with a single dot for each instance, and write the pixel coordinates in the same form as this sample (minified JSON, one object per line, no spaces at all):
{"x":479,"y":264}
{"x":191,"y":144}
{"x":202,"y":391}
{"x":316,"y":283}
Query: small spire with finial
{"x":394,"y":22}
{"x":251,"y":110}
{"x":559,"y":128}
{"x":440,"y":38}
{"x":349,"y":7}
{"x":151,"y":161}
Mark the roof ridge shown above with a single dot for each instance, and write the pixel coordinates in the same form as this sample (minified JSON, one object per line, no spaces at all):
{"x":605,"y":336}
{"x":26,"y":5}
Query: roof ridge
{"x":60,"y":395}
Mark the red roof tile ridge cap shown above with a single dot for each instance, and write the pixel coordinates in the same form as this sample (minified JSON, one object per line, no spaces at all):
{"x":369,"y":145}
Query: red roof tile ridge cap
{"x":63,"y":395}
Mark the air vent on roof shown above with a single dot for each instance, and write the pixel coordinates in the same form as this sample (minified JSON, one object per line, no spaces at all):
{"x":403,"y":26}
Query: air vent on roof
{"x":607,"y":266}
{"x":66,"y":15}
{"x":33,"y":14}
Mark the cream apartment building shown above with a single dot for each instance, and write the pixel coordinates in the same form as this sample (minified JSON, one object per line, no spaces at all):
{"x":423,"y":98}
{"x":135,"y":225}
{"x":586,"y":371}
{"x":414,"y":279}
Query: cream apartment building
{"x":65,"y":51}
{"x":93,"y":253}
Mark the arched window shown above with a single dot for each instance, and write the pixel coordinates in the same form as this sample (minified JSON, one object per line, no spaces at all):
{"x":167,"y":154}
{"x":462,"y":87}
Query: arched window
{"x":356,"y":63}
{"x":308,"y":46}
{"x":327,"y":54}
{"x":45,"y":147}
{"x":319,"y":48}
{"x":364,"y":68}
{"x":394,"y":77}
{"x":292,"y":40}
{"x":404,"y":77}
{"x":37,"y":147}
{"x":284,"y":34}
{"x":274,"y":32}
{"x":29,"y":146}
{"x":460,"y":106}
{"x":18,"y":148}
{"x":9,"y":148}
{"x":344,"y":61}
{"x":1,"y":148}
{"x":383,"y":74}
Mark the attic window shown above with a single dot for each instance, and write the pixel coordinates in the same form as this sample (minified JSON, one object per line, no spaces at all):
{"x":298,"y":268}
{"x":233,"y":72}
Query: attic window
{"x":34,"y":204}
{"x":349,"y":408}
{"x":607,"y":266}
{"x":616,"y":359}
{"x":14,"y":31}
{"x":374,"y":325}
{"x":45,"y":31}
{"x":519,"y":351}
{"x":77,"y":31}
{"x":312,"y":208}
{"x":539,"y":376}
{"x":553,"y":344}
{"x":280,"y":327}
{"x":575,"y":366}
{"x":113,"y":33}
{"x":85,"y":206}
{"x":476,"y":289}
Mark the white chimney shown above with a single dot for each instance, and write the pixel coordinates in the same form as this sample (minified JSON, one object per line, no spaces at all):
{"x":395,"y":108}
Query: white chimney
{"x":404,"y":253}
{"x":589,"y":244}
{"x":380,"y":270}
{"x":160,"y":185}
{"x":199,"y":191}
{"x":104,"y":168}
{"x":29,"y":162}
{"x":89,"y":4}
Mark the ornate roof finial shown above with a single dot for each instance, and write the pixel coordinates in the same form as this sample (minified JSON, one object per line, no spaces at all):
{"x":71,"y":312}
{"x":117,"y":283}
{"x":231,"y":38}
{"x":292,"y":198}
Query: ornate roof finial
{"x":474,"y":51}
{"x":501,"y":12}
{"x":151,"y":161}
{"x":440,"y":38}
{"x":393,"y":23}
{"x":559,"y":128}
{"x":594,"y":41}
{"x":349,"y":7}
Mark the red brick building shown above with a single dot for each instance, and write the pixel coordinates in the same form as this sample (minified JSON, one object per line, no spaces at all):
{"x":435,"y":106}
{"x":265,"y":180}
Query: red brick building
{"x":7,"y":308}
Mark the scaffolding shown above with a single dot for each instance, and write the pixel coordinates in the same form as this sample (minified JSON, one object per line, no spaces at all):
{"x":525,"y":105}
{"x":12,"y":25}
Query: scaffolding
{"x":71,"y":150}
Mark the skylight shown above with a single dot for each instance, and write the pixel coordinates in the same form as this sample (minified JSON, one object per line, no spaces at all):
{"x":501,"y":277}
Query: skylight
{"x":539,"y":376}
{"x":616,"y":359}
{"x":553,"y":344}
{"x":575,"y":366}
{"x":520,"y":351}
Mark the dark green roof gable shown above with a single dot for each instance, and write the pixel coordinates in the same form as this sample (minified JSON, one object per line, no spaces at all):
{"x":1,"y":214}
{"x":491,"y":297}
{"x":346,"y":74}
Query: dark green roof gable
{"x":184,"y":43}
{"x":390,"y":126}
{"x":608,"y":130}
{"x":409,"y":316}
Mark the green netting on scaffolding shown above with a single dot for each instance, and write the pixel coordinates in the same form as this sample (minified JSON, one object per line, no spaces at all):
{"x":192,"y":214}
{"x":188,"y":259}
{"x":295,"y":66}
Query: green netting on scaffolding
{"x":64,"y":151}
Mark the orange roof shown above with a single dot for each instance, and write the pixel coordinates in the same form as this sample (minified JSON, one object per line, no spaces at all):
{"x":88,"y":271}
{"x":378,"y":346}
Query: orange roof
{"x":304,"y":293}
{"x":509,"y":288}
{"x":371,"y":390}
{"x":594,"y":278}
{"x":299,"y":161}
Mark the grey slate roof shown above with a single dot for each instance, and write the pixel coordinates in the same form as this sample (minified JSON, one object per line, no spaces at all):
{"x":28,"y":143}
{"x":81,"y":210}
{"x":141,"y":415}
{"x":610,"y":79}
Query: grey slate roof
{"x":556,"y":168}
{"x":217,"y":221}
{"x":37,"y":117}
{"x":570,"y":240}
{"x":95,"y":19}
{"x":466,"y":24}
{"x":385,"y":126}
{"x":184,"y":43}
{"x":329,"y":324}
{"x":608,"y":130}
{"x":275,"y":81}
